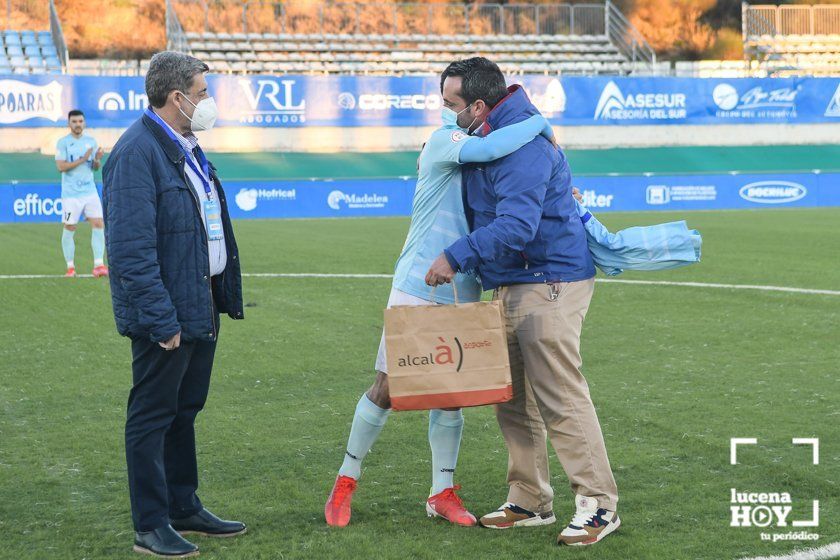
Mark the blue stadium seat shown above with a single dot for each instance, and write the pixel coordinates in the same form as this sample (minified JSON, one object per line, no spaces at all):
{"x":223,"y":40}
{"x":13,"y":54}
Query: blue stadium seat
{"x":45,"y":40}
{"x":29,"y":40}
{"x":14,"y":50}
{"x":32,"y":50}
{"x":36,"y":62}
{"x":5,"y":69}
{"x":53,"y":62}
{"x":17,"y":61}
{"x":54,"y":71}
{"x":11,"y":38}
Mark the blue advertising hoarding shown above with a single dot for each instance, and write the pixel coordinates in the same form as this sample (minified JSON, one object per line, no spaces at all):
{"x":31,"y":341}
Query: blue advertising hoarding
{"x":30,"y":202}
{"x":354,"y":101}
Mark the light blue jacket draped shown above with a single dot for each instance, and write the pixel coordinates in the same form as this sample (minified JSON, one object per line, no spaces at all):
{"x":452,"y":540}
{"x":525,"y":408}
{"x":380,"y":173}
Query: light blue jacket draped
{"x":658,"y":247}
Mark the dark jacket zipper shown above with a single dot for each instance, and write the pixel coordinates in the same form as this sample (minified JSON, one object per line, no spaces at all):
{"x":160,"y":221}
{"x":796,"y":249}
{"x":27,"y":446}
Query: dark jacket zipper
{"x":232,"y":254}
{"x":204,"y":237}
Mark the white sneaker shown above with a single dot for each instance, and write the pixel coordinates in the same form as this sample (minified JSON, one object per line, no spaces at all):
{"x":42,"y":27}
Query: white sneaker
{"x":511,"y":515}
{"x":590,"y":523}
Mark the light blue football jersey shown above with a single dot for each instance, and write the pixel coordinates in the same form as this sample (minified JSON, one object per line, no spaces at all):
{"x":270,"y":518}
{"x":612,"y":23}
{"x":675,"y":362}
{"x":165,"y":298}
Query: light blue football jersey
{"x":437,"y":220}
{"x":79,"y":181}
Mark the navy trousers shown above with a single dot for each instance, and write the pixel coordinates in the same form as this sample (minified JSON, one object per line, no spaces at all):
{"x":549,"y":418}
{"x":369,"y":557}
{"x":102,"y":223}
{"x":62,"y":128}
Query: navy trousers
{"x":170,"y":388}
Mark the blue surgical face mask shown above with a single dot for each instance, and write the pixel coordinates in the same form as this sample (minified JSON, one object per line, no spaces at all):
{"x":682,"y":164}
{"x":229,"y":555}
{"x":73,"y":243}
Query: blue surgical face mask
{"x":450,"y":117}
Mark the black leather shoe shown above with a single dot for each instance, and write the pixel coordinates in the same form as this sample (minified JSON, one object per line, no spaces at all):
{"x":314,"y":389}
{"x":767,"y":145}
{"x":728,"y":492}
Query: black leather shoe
{"x":207,"y":524}
{"x":165,"y":543}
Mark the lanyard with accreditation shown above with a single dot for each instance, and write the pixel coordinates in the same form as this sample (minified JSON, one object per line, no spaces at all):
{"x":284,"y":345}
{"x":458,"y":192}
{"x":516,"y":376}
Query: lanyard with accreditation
{"x":212,"y":210}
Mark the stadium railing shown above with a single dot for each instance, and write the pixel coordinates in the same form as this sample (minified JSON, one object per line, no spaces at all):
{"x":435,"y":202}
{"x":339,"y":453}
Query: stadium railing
{"x":57,"y":35}
{"x":623,"y":34}
{"x":175,"y":37}
{"x":108,"y":67}
{"x":792,"y":40}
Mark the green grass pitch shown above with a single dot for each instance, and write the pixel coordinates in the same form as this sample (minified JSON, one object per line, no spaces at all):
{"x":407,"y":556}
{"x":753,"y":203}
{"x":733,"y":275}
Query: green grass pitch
{"x":675,"y":372}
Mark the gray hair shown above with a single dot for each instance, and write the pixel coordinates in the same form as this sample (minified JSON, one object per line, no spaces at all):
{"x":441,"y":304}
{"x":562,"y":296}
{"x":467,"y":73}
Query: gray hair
{"x":170,"y":71}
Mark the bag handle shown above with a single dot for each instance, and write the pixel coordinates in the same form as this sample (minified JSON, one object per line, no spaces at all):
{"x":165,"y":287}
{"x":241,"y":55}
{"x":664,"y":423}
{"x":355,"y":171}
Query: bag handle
{"x":454,"y":291}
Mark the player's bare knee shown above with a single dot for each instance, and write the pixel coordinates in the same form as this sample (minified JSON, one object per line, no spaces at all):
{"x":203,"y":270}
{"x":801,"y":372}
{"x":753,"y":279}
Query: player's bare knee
{"x":379,"y":393}
{"x":68,"y":227}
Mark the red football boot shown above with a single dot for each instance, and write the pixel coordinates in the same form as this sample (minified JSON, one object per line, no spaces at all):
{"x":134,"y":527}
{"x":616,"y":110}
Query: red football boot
{"x":448,"y":505}
{"x":337,"y":509}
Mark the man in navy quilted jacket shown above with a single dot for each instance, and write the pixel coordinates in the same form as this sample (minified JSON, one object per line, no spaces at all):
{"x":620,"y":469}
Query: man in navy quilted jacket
{"x":528,"y":244}
{"x":174,"y":268}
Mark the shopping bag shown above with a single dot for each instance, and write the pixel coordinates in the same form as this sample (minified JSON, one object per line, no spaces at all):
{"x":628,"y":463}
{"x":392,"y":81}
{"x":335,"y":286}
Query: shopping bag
{"x":447,"y":356}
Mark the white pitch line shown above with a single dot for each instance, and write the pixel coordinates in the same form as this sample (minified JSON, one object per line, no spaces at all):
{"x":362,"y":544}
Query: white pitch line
{"x":311,"y":275}
{"x":724,"y":286}
{"x":604,"y":280}
{"x":827,"y":552}
{"x":348,"y":276}
{"x":38,"y":276}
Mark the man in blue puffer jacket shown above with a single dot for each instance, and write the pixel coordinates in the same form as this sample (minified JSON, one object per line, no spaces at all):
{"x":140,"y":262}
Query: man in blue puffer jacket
{"x":529,"y":245}
{"x":174,"y":268}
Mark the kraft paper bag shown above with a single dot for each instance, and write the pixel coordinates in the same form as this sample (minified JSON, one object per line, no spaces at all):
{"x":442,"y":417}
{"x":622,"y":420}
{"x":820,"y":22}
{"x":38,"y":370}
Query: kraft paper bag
{"x":446,"y":356}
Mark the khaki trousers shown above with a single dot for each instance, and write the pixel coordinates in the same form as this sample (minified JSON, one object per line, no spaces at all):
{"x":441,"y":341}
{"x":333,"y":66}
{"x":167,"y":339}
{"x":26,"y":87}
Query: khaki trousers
{"x":551,"y":397}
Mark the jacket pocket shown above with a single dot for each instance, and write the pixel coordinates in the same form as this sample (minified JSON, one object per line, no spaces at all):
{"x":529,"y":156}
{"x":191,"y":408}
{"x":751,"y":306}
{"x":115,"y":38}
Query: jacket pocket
{"x":511,"y":260}
{"x":176,"y":208}
{"x":545,"y":245}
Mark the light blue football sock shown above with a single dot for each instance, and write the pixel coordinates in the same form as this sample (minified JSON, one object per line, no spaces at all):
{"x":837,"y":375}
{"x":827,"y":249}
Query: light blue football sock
{"x":68,"y":245}
{"x":367,"y":423}
{"x":97,"y":243}
{"x":445,"y":428}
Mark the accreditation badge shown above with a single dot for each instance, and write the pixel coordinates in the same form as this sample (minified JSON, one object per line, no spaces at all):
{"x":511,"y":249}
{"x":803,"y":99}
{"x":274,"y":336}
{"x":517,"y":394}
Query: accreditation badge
{"x":213,"y":219}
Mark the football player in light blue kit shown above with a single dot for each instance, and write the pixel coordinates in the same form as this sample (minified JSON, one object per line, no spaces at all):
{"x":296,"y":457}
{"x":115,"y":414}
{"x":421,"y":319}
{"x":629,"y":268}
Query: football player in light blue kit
{"x":437,"y":220}
{"x":77,"y":156}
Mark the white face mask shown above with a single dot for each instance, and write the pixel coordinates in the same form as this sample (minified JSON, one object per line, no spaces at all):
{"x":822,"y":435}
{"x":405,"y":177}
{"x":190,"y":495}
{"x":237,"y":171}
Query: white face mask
{"x":204,"y":116}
